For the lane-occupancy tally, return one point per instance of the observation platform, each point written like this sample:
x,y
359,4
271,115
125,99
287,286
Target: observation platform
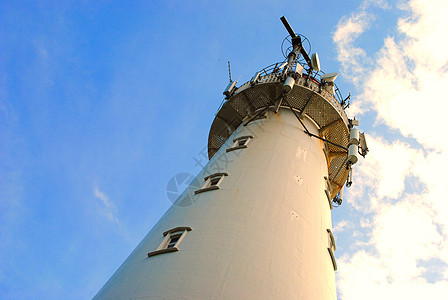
x,y
306,98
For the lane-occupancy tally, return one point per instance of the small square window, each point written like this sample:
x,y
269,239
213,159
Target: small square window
x,y
171,241
331,248
240,143
331,243
211,182
327,191
215,180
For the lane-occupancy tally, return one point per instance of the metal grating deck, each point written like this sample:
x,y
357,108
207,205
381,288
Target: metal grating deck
x,y
323,109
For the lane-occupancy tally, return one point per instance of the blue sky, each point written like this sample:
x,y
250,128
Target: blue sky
x,y
102,103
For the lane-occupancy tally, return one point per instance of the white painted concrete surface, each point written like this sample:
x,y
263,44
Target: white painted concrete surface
x,y
262,235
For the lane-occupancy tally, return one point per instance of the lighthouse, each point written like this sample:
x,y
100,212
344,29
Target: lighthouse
x,y
255,223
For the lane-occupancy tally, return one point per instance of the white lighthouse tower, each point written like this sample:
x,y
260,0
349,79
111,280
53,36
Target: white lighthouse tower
x,y
256,221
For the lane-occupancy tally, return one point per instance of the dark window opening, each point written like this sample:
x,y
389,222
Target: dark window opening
x,y
173,241
215,180
170,243
212,182
240,143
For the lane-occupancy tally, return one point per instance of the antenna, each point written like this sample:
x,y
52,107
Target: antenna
x,y
315,63
288,27
344,102
296,44
363,145
230,74
330,77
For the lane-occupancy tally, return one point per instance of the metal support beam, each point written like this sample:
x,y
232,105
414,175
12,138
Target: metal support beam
x,y
312,134
298,118
324,130
325,140
339,170
277,105
229,128
333,155
310,99
259,115
247,101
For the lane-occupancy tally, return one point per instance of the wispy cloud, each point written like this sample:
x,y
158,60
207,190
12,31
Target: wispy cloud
x,y
352,58
107,208
400,187
341,226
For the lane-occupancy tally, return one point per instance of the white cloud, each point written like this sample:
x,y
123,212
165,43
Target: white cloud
x,y
348,30
107,208
399,188
404,234
342,225
352,58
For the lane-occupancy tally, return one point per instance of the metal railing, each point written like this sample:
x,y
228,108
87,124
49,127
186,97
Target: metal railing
x,y
274,74
275,69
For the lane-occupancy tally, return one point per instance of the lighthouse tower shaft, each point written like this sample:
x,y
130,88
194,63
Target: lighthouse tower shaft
x,y
255,223
264,233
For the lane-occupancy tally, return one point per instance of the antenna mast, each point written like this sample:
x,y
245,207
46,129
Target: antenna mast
x,y
296,44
